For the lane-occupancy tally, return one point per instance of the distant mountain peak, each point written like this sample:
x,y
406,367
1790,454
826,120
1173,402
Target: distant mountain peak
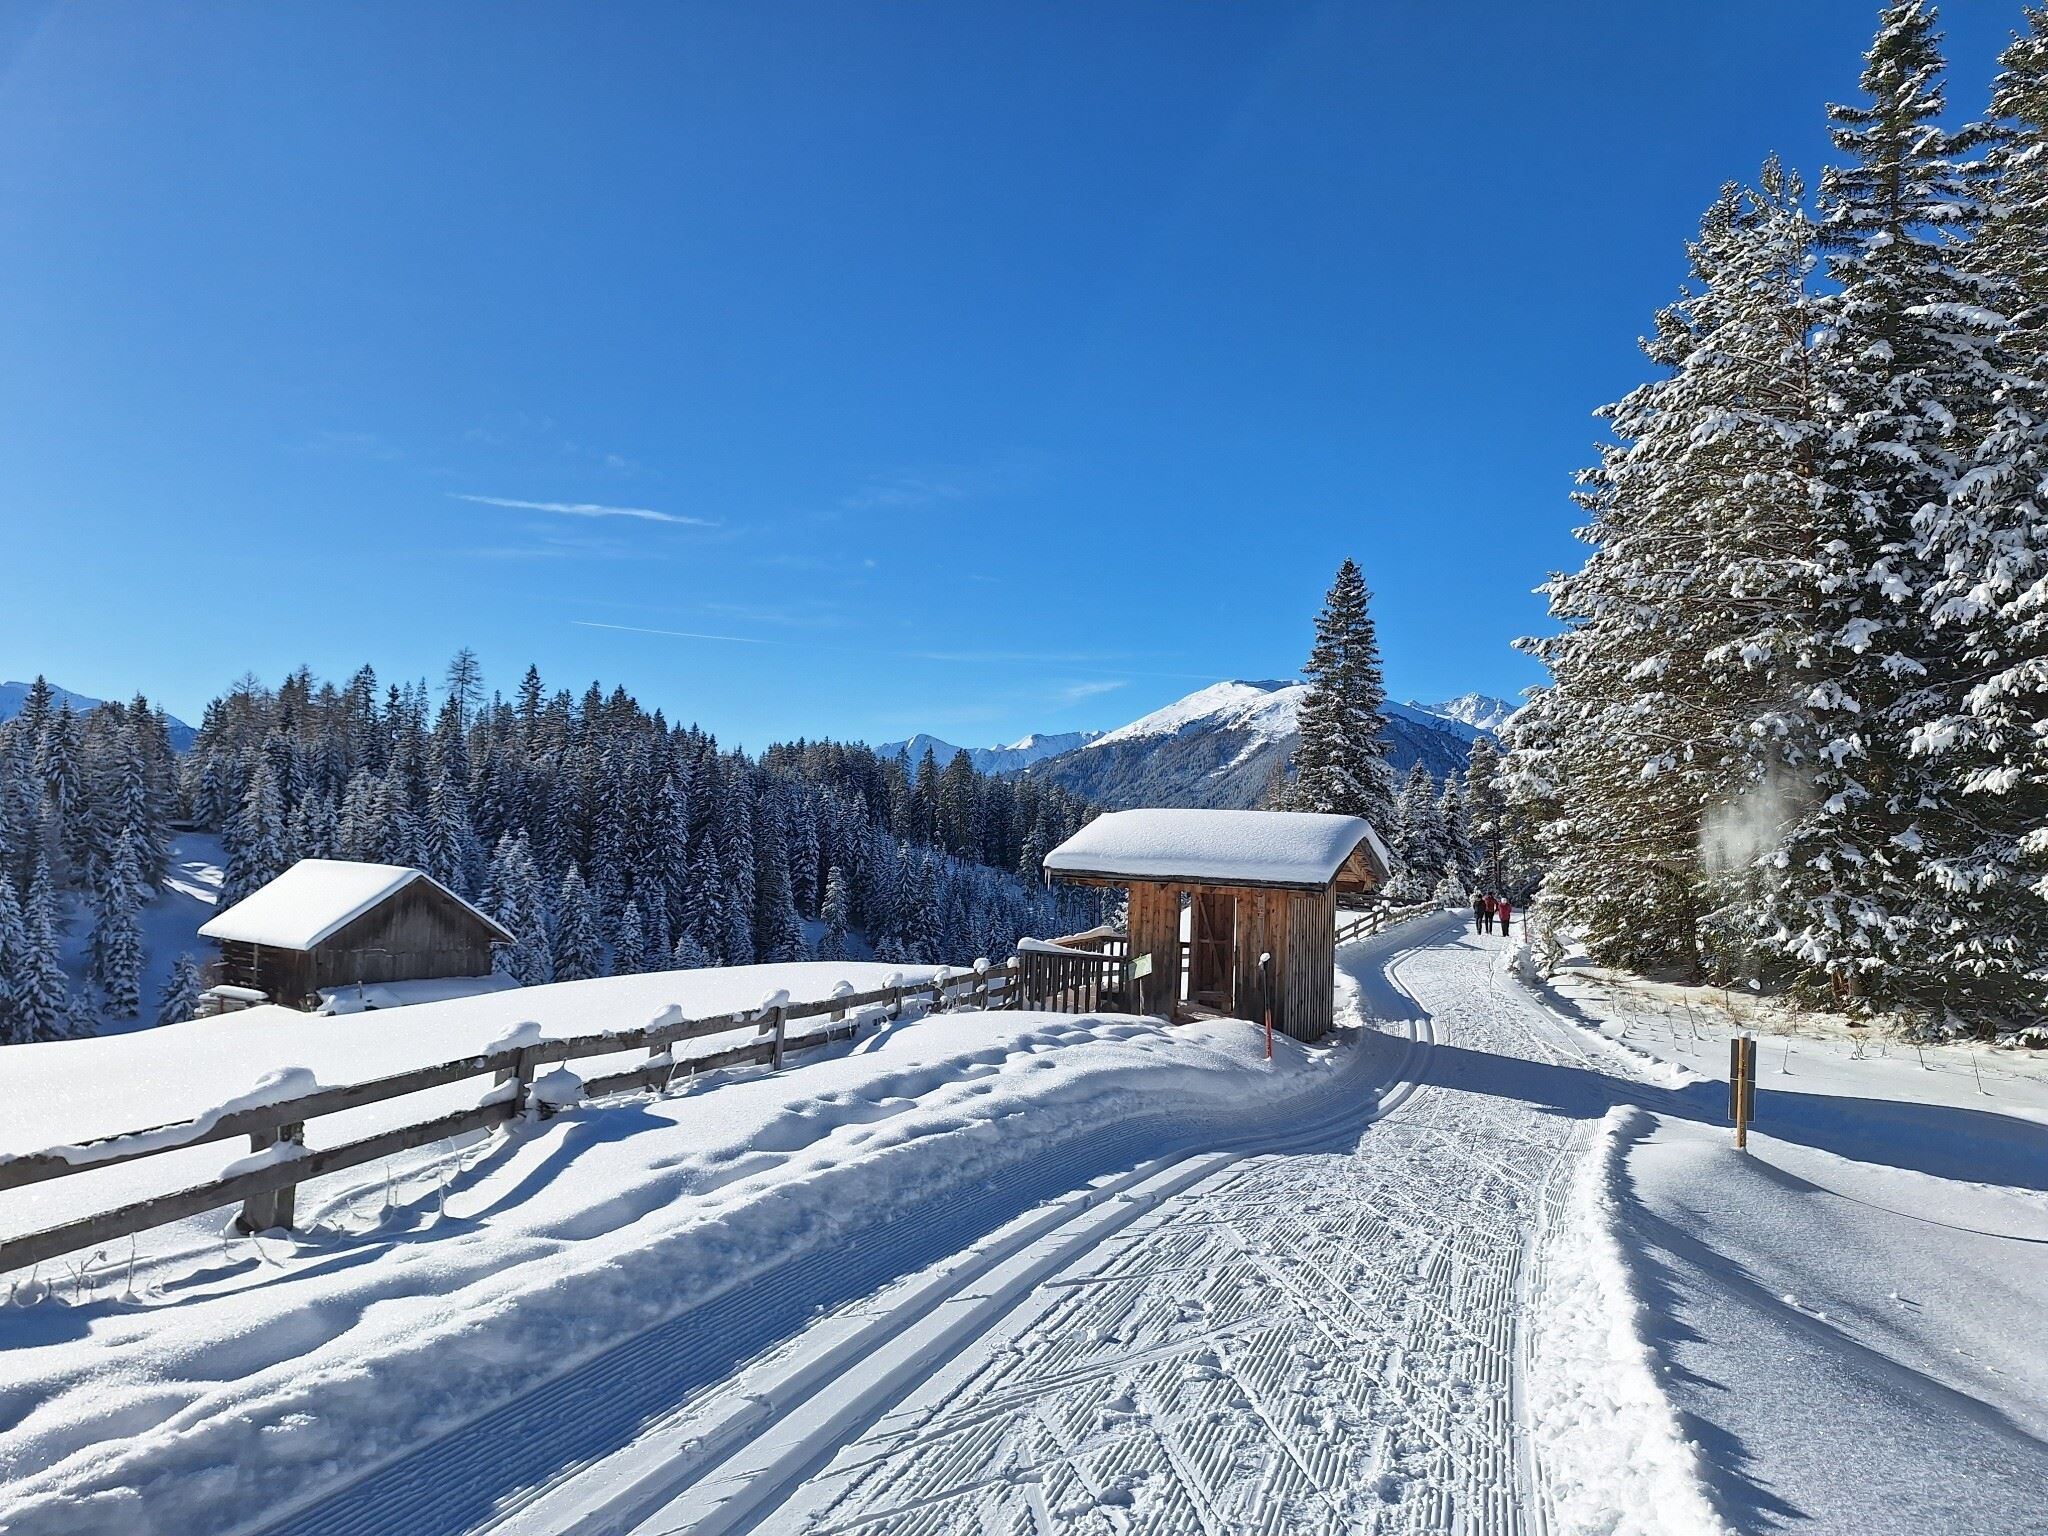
x,y
1006,758
1481,711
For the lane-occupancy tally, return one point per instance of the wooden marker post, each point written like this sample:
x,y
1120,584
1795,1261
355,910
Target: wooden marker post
x,y
1742,1086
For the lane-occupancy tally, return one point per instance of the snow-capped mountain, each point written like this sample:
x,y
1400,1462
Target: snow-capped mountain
x,y
1220,746
1008,758
1481,711
14,695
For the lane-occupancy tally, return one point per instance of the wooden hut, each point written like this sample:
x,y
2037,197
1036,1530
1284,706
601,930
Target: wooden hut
x,y
327,923
1253,884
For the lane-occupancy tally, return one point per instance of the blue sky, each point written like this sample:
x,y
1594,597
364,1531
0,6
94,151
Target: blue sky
x,y
839,369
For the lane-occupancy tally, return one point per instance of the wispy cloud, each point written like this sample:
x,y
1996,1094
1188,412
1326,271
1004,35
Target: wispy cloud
x,y
900,492
586,509
1074,693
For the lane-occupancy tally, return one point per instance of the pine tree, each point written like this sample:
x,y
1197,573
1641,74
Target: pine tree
x,y
1422,847
778,935
688,955
15,1028
1864,896
838,908
43,1005
180,1000
1341,761
1678,676
629,942
1988,546
1450,809
116,945
577,949
256,851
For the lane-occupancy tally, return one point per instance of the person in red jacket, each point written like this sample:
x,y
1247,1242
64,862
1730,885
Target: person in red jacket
x,y
1504,911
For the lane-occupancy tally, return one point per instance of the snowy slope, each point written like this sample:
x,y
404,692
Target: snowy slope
x,y
13,694
1846,1318
1008,758
1219,746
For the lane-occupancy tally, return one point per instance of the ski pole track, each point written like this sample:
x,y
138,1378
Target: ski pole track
x,y
1322,1340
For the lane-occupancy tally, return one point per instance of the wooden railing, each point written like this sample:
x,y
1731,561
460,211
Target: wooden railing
x,y
266,1183
1378,918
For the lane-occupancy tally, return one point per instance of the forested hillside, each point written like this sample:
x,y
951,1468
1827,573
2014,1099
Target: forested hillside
x,y
606,838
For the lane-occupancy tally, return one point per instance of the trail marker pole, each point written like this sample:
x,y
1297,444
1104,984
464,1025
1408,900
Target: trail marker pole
x,y
1742,1086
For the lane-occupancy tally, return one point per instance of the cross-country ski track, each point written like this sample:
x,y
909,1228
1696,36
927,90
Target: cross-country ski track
x,y
1313,1330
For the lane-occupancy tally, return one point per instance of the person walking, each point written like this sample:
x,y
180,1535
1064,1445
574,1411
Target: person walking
x,y
1506,912
1479,912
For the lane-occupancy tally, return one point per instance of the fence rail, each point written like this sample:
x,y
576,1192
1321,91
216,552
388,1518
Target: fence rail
x,y
1379,918
276,1130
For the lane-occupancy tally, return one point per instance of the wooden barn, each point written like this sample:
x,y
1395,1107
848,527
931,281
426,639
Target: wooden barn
x,y
327,923
1252,884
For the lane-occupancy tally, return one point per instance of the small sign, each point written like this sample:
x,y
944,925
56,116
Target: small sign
x,y
1141,967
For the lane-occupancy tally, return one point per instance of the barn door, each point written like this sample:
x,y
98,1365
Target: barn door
x,y
1214,937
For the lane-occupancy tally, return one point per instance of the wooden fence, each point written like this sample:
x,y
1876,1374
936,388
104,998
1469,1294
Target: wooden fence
x,y
276,1131
1377,919
1081,973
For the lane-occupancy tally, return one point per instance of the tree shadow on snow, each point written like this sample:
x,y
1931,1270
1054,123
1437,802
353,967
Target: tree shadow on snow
x,y
1938,1139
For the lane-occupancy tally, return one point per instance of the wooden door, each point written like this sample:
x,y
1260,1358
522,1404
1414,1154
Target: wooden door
x,y
1214,938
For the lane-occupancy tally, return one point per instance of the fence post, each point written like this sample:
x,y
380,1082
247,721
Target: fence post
x,y
277,1207
781,1017
981,985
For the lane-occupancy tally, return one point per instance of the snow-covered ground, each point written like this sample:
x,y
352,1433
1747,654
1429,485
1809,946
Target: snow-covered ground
x,y
1849,1319
1483,1263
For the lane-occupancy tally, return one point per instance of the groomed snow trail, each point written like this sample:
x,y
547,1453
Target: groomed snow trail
x,y
1317,1339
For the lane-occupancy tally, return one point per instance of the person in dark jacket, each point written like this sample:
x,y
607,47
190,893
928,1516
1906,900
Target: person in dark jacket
x,y
1481,912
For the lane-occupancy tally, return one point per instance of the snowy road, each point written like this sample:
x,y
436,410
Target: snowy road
x,y
1318,1338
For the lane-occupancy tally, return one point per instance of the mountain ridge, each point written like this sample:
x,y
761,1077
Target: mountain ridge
x,y
13,695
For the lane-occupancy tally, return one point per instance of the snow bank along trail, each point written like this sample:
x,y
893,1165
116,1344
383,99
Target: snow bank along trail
x,y
1319,1334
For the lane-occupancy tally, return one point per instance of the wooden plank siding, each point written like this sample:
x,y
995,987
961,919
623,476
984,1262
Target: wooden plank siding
x,y
417,933
1154,915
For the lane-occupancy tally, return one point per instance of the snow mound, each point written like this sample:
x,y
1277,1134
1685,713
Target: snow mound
x,y
1608,1442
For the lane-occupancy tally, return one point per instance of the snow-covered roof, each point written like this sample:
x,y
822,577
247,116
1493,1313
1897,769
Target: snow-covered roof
x,y
315,899
1302,849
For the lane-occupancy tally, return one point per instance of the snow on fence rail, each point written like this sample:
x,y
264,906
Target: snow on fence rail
x,y
266,1181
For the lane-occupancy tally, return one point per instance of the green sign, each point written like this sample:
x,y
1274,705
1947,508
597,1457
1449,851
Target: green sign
x,y
1141,967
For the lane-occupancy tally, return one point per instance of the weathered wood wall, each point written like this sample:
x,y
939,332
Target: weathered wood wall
x,y
418,933
1154,916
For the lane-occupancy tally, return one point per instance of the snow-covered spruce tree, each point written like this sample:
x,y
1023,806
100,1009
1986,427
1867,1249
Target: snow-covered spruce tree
x,y
116,943
688,955
1423,847
1872,896
629,942
180,999
1678,676
1451,813
838,909
43,1006
256,841
14,1025
577,948
1340,763
1986,545
778,934
1486,810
